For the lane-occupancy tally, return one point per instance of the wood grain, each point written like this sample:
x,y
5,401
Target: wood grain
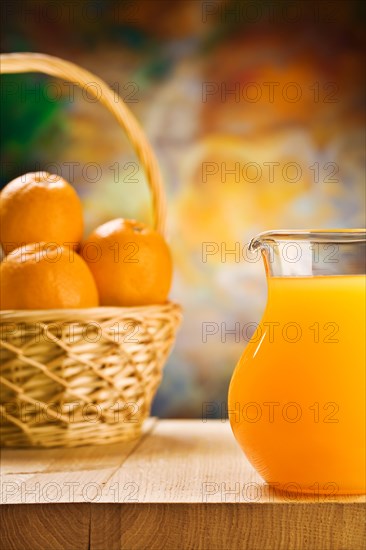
x,y
42,527
189,461
238,527
185,485
183,527
59,476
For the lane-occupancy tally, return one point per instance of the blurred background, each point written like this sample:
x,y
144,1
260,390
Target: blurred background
x,y
256,113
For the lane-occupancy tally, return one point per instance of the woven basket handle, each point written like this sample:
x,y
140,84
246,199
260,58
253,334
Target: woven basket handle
x,y
53,66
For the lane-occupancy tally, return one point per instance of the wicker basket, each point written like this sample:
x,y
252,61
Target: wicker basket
x,y
88,376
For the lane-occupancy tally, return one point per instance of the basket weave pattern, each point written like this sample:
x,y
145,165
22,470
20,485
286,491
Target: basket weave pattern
x,y
76,377
89,378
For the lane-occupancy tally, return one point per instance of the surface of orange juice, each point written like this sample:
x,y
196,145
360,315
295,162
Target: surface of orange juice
x,y
297,396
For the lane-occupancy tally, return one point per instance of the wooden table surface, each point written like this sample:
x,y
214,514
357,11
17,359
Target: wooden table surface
x,y
184,485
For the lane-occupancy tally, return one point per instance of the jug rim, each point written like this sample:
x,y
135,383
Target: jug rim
x,y
311,235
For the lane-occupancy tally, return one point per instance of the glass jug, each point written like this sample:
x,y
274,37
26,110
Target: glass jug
x,y
297,395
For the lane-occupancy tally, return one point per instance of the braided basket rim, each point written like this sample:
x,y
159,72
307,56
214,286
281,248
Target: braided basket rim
x,y
25,314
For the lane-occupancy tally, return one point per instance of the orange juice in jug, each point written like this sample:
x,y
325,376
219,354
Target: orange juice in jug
x,y
297,395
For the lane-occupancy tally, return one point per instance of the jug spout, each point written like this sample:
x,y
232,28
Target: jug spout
x,y
305,253
262,240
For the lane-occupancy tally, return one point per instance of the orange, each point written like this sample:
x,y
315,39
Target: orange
x,y
39,207
131,263
46,276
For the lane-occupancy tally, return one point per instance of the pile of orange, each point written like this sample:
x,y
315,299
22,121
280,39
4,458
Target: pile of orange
x,y
47,265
